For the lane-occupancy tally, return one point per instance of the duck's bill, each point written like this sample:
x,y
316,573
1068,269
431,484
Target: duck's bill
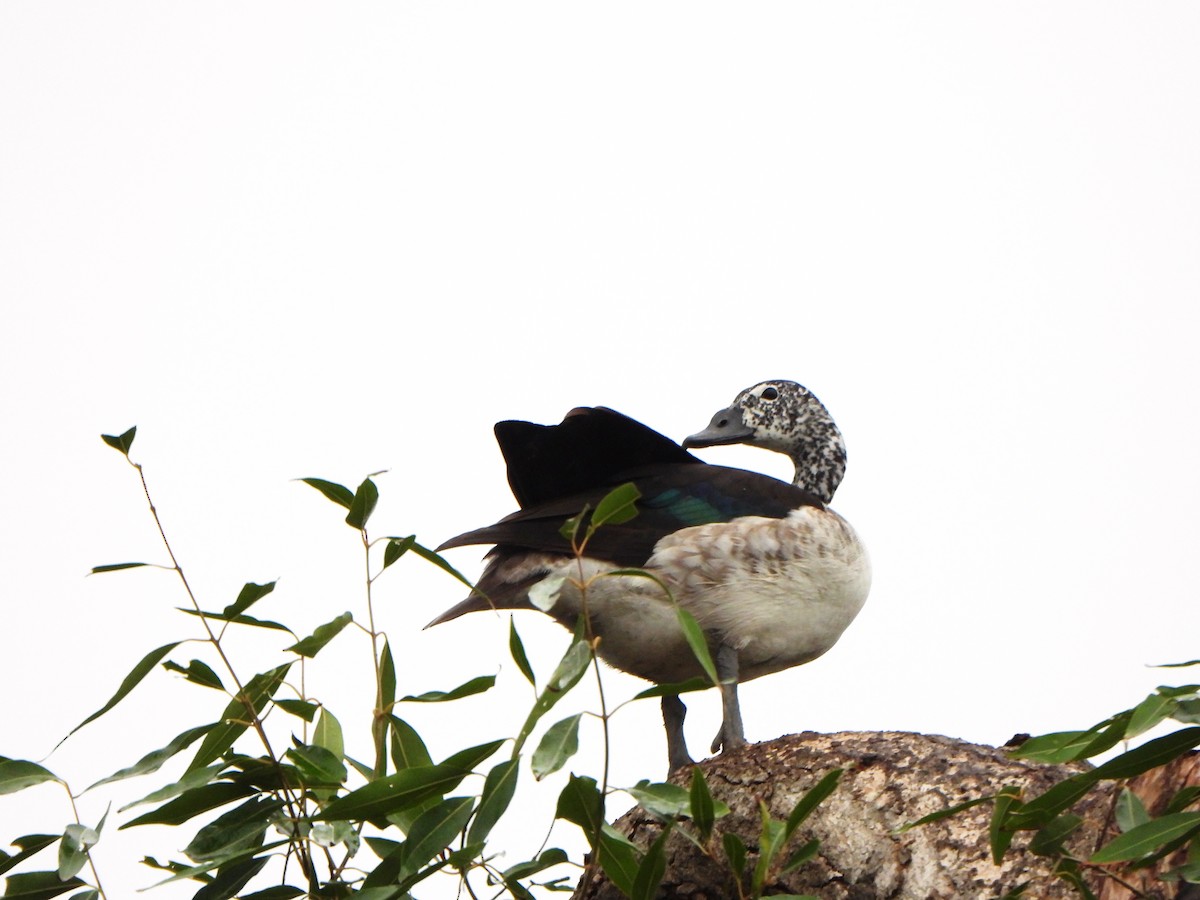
x,y
726,427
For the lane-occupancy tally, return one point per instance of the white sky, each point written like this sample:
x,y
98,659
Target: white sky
x,y
289,239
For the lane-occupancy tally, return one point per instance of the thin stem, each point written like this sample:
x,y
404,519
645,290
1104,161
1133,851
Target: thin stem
x,y
254,719
87,851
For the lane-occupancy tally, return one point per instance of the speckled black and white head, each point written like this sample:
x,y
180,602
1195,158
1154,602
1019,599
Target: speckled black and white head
x,y
785,417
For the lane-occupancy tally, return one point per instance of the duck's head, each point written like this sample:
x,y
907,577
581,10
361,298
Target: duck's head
x,y
785,417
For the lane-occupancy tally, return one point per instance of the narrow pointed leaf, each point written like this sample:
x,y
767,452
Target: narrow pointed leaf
x,y
387,678
38,886
237,716
301,709
735,852
435,829
1154,709
517,649
1149,755
240,829
1000,830
394,793
231,879
581,803
619,859
811,800
73,850
317,766
193,778
1145,839
18,774
196,672
117,567
662,799
651,869
699,644
239,619
558,744
396,548
250,594
701,801
469,758
804,853
363,504
617,506
436,558
570,669
193,802
498,790
328,734
466,689
29,845
339,494
1130,811
1048,840
408,750
311,645
121,442
153,761
148,662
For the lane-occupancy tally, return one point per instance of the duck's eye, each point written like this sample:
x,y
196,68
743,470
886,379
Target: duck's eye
x,y
770,394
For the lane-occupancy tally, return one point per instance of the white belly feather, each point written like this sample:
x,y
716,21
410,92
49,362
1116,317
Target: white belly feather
x,y
779,591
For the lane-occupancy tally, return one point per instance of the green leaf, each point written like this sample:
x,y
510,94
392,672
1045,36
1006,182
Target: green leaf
x,y
1154,709
1000,833
1149,755
698,643
472,756
193,778
408,750
946,813
701,802
193,802
328,734
363,504
311,645
301,709
662,799
196,672
546,859
435,829
317,766
770,842
699,683
278,892
240,619
238,830
436,558
558,744
474,686
237,715
394,793
1183,799
651,869
804,853
250,594
29,845
1145,839
38,886
153,761
116,567
387,678
581,803
570,669
1130,812
18,774
89,894
735,852
1048,840
619,858
517,649
498,790
339,494
121,442
617,506
148,662
231,879
396,548
811,800
73,849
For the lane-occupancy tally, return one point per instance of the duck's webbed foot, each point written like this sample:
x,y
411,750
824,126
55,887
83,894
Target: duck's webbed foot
x,y
732,733
673,712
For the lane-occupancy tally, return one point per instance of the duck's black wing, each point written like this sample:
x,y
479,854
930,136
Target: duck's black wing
x,y
589,447
673,497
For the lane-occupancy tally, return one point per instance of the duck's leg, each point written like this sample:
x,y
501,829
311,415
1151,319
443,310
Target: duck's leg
x,y
673,712
732,734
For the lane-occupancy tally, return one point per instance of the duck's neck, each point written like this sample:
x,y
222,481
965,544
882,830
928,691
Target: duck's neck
x,y
820,460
